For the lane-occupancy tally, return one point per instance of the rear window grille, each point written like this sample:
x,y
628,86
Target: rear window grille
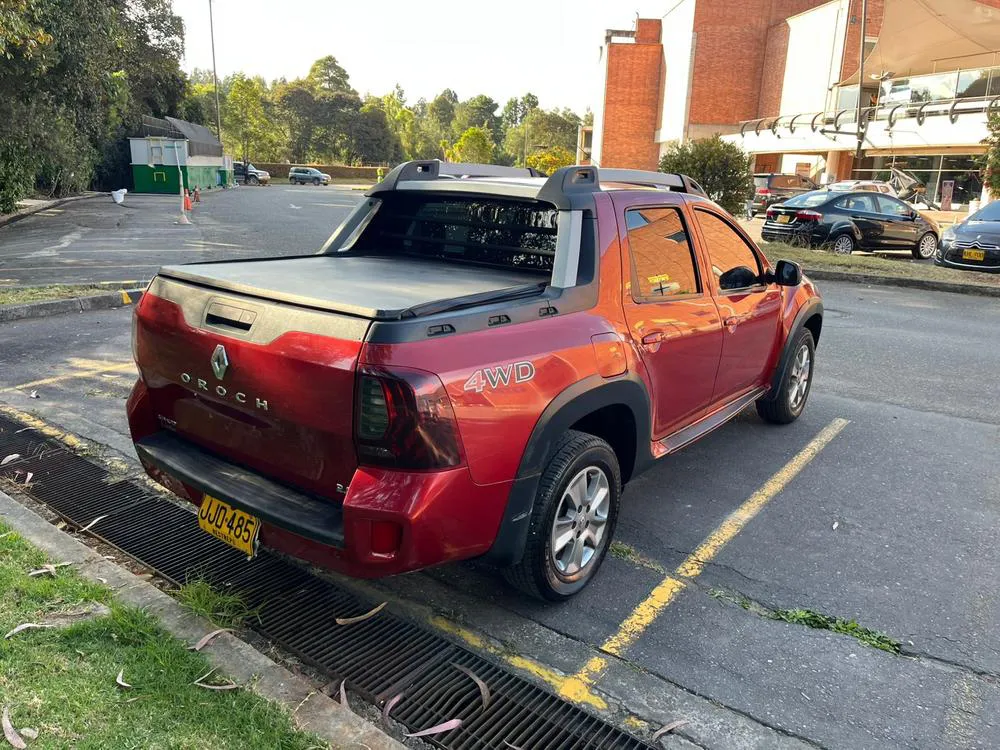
x,y
505,233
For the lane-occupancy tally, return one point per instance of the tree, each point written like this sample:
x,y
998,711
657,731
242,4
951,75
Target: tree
x,y
442,109
515,110
991,159
479,111
474,146
551,159
547,129
721,167
244,124
327,75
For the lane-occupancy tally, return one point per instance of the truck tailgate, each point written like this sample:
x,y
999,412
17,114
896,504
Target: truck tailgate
x,y
261,383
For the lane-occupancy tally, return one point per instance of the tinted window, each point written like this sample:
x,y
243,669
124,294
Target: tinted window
x,y
785,181
893,208
858,203
806,200
662,263
494,232
726,248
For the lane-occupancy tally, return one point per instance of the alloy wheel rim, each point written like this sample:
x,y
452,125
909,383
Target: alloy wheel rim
x,y
799,378
927,246
843,245
581,521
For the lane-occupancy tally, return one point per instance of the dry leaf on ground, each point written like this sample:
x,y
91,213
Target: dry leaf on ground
x,y
360,618
12,737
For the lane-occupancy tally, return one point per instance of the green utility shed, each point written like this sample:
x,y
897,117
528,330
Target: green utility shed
x,y
171,150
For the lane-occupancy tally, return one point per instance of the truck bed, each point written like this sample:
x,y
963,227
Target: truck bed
x,y
379,288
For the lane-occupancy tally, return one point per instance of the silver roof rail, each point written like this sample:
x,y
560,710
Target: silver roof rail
x,y
433,169
560,189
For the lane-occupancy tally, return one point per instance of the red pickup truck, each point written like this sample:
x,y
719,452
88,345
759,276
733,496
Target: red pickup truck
x,y
474,365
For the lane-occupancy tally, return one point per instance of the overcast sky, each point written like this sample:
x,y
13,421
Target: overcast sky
x,y
503,49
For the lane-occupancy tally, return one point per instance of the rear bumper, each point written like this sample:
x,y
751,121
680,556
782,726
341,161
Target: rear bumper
x,y
437,517
772,231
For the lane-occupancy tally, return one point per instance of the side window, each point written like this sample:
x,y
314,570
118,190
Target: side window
x,y
858,202
662,262
728,251
893,207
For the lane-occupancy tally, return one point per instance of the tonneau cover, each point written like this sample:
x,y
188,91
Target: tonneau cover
x,y
367,286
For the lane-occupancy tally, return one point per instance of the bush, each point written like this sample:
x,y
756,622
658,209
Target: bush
x,y
717,165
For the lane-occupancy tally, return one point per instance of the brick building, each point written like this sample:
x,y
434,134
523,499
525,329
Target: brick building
x,y
780,77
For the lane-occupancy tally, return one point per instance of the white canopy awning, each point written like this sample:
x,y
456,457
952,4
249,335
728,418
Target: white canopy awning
x,y
928,36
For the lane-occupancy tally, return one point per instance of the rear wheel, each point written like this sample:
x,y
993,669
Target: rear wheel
x,y
572,521
844,244
786,402
926,247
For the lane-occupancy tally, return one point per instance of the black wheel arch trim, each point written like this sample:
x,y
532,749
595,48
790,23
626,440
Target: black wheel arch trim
x,y
569,407
809,309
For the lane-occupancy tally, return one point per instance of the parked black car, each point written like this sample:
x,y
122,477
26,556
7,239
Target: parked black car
x,y
851,221
769,189
974,244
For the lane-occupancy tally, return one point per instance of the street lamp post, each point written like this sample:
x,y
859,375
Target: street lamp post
x,y
215,77
861,79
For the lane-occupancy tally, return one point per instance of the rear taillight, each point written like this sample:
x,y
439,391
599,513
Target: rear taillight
x,y
763,191
808,215
404,420
771,213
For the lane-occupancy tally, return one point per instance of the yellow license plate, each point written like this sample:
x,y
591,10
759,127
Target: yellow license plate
x,y
784,218
232,526
973,255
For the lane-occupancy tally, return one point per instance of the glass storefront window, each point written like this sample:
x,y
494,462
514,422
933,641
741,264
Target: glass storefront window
x,y
963,170
981,82
847,97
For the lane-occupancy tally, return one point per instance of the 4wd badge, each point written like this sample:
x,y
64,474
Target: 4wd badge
x,y
500,376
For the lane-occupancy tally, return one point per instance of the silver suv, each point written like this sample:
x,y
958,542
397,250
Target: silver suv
x,y
302,175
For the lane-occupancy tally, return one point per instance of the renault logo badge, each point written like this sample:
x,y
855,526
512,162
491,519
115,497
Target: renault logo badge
x,y
220,362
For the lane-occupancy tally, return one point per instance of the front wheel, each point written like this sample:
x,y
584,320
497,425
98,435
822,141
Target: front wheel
x,y
253,180
844,244
315,180
926,247
784,404
572,521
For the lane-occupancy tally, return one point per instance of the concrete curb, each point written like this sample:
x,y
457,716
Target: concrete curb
x,y
47,308
936,286
11,218
311,711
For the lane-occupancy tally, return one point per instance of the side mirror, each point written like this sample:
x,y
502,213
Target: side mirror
x,y
786,273
740,277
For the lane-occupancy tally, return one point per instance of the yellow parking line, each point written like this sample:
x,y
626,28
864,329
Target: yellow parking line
x,y
86,373
577,687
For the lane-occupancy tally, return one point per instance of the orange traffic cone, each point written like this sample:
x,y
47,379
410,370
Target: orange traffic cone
x,y
187,200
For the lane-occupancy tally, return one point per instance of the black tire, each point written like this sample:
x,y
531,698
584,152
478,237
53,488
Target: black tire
x,y
779,406
926,247
847,240
251,180
537,573
316,181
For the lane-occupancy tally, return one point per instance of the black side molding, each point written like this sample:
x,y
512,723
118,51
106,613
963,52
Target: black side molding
x,y
302,514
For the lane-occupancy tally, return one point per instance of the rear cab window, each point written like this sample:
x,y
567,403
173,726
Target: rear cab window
x,y
497,232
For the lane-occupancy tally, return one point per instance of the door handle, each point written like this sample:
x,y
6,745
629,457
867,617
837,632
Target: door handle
x,y
733,321
651,341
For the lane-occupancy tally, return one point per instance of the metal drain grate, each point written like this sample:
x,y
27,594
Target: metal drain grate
x,y
379,657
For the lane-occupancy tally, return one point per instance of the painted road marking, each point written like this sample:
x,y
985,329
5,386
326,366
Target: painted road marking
x,y
577,687
93,368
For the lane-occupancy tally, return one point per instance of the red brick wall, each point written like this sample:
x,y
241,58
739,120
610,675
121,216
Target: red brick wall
x,y
852,42
730,41
773,75
632,100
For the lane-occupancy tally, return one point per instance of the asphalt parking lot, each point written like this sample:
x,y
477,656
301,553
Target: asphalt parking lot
x,y
879,506
95,240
